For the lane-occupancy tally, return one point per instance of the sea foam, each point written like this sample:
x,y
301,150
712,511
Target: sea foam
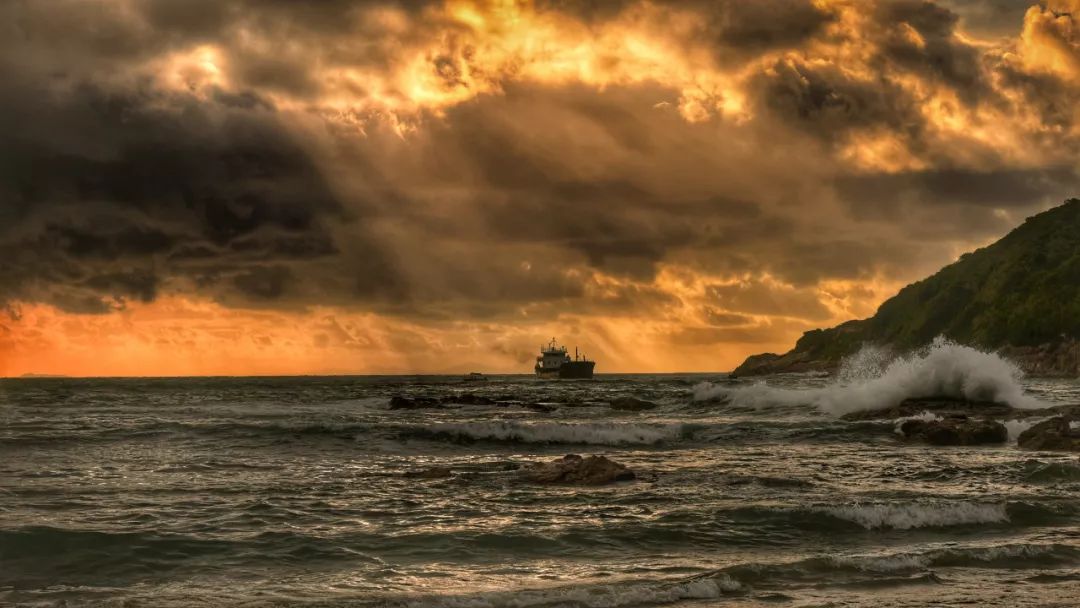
x,y
906,516
870,380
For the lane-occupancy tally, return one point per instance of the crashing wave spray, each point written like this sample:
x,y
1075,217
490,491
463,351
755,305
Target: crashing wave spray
x,y
870,380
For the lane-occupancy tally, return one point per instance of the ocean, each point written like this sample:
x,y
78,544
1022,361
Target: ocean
x,y
749,492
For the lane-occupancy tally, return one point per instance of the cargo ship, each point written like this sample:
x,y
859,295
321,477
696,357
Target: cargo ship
x,y
555,362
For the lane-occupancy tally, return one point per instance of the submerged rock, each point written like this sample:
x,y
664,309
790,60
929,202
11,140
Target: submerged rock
x,y
945,406
955,430
430,473
398,402
469,399
1053,434
631,404
573,469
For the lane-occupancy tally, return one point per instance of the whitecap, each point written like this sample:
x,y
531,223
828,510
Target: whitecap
x,y
865,382
906,516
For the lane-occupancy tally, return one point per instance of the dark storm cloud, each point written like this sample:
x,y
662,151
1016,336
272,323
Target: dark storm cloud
x,y
990,17
754,27
828,101
936,54
1003,188
912,38
112,190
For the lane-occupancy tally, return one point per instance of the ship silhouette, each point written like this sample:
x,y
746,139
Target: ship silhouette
x,y
555,362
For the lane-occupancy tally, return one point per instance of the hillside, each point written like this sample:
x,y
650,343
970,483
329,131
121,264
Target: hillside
x,y
1020,295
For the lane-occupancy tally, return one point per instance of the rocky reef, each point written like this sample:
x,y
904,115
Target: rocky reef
x,y
956,429
575,470
1053,434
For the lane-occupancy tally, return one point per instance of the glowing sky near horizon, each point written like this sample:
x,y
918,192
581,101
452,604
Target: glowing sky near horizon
x,y
240,187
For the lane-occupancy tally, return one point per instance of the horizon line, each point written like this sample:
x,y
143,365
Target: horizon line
x,y
36,376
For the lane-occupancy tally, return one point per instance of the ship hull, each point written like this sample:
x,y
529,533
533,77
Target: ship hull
x,y
571,370
576,370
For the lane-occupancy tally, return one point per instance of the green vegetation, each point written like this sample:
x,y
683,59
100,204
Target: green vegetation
x,y
1024,290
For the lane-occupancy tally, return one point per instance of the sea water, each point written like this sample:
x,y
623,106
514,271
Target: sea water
x,y
294,492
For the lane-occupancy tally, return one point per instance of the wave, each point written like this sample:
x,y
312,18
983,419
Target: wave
x,y
741,579
637,593
591,433
1051,472
920,515
1002,556
866,382
898,516
216,428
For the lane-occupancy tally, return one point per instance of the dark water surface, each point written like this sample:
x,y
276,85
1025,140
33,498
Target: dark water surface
x,y
290,491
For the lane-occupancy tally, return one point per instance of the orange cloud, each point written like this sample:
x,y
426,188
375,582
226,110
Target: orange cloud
x,y
178,336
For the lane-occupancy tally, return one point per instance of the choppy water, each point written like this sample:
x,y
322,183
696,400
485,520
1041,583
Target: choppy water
x,y
290,491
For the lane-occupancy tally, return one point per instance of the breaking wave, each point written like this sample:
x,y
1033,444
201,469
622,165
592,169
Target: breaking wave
x,y
596,433
870,380
920,515
999,555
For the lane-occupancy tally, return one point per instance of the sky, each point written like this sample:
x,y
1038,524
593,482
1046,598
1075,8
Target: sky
x,y
204,187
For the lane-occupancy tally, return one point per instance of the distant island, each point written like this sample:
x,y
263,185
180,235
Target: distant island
x,y
44,376
1019,296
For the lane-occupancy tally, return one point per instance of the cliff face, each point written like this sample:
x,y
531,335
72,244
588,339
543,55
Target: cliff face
x,y
1020,296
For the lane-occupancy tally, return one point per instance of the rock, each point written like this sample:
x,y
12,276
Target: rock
x,y
1055,359
1053,434
430,473
468,399
631,404
573,469
397,402
944,406
955,430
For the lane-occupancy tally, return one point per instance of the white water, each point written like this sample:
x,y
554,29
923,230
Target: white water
x,y
870,380
919,515
924,416
899,562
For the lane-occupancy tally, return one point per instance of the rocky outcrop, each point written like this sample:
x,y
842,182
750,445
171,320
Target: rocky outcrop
x,y
575,470
1061,359
398,402
957,429
943,406
1053,434
631,404
788,363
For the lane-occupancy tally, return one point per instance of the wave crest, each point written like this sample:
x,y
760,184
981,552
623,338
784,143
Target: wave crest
x,y
864,382
920,515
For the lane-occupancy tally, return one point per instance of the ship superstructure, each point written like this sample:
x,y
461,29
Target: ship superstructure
x,y
555,362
